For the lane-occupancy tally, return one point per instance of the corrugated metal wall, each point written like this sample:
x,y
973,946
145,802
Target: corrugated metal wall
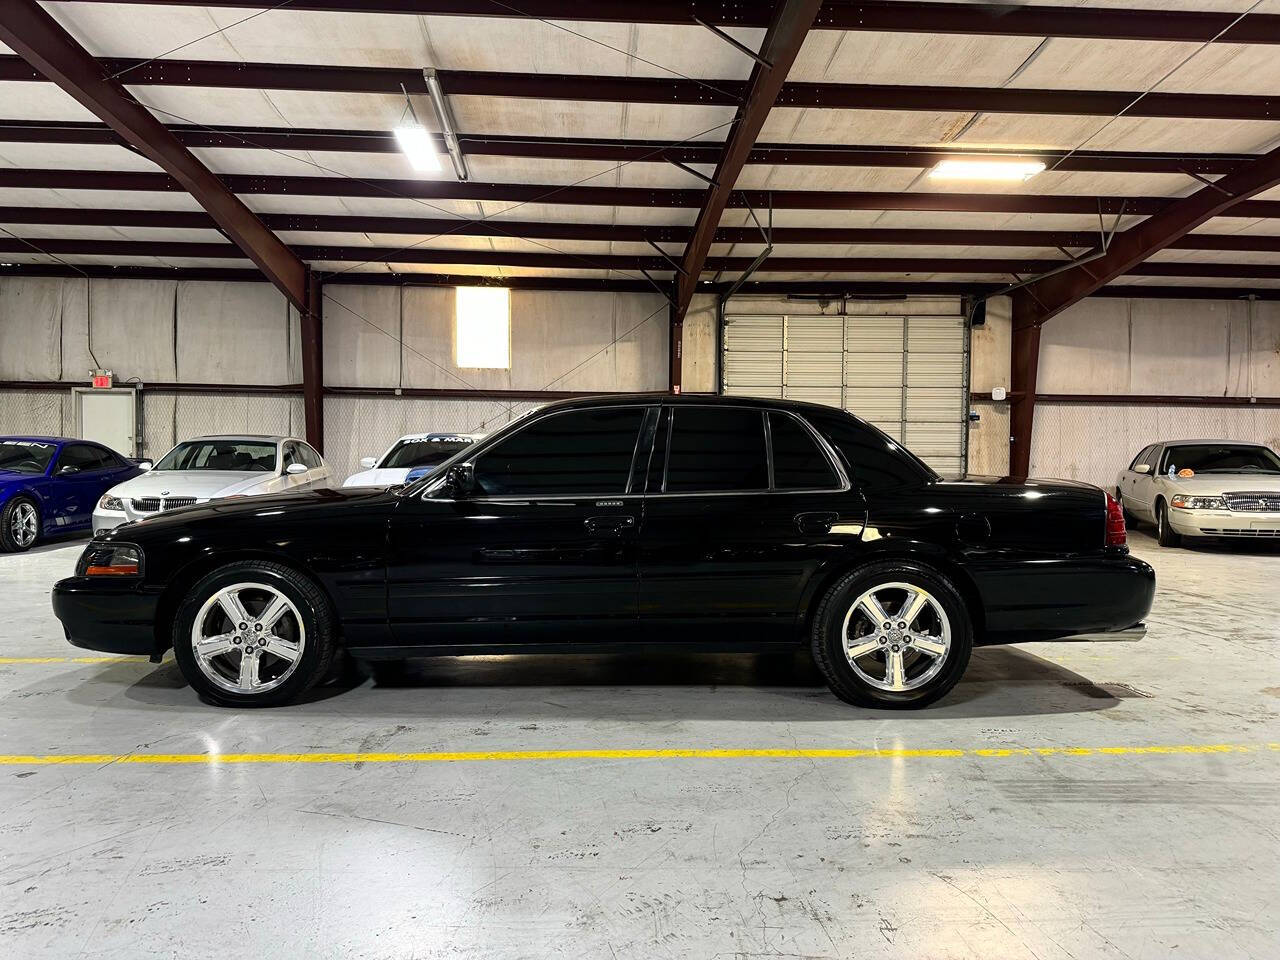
x,y
902,369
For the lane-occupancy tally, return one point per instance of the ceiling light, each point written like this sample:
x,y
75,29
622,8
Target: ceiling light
x,y
418,146
986,168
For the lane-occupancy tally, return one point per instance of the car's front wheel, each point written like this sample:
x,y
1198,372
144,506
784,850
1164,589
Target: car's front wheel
x,y
1165,534
19,525
254,634
892,635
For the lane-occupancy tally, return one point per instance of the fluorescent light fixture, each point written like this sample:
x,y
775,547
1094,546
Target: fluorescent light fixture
x,y
482,328
986,168
418,146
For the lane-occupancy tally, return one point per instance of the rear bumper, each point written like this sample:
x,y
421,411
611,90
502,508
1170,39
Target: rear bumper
x,y
112,616
1062,598
1224,523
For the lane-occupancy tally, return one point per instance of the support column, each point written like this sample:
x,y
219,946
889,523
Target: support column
x,y
677,348
1024,366
313,361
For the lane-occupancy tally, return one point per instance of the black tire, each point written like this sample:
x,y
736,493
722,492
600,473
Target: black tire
x,y
9,542
828,626
1165,534
315,664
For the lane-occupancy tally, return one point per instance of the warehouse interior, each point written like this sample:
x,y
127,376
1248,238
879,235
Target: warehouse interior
x,y
208,201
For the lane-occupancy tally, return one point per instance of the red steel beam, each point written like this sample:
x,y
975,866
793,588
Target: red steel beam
x,y
325,78
26,28
116,181
639,233
656,151
519,258
897,16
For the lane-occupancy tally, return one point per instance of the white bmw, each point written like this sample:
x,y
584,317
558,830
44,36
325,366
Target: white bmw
x,y
206,468
412,456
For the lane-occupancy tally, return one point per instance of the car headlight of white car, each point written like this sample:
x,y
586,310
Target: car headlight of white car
x,y
1183,502
108,502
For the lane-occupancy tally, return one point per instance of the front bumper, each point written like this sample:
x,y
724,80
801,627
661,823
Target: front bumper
x,y
107,520
1224,523
108,614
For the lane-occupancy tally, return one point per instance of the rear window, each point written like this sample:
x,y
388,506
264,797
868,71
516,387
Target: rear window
x,y
874,460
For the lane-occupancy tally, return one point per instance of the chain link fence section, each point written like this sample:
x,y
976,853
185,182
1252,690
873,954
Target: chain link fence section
x,y
1094,442
356,427
38,413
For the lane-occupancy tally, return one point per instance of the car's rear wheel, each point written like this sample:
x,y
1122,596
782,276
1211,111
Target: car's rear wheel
x,y
892,635
1165,534
254,634
19,525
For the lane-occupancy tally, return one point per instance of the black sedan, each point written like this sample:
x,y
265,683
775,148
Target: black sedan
x,y
609,523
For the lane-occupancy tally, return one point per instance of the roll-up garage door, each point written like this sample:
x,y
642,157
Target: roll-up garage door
x,y
908,375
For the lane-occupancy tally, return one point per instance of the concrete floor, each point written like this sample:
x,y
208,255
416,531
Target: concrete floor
x,y
919,854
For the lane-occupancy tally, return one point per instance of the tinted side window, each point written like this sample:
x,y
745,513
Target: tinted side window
x,y
82,457
716,448
874,461
578,452
309,455
798,463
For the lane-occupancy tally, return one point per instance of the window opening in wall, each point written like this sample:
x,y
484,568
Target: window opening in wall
x,y
482,334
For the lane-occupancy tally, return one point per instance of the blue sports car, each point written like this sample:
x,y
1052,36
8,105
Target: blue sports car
x,y
51,485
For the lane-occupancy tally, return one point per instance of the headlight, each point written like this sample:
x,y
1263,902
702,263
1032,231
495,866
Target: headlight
x,y
1198,503
110,560
108,502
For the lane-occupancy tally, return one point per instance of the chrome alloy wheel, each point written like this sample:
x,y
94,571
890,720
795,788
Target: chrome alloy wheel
x,y
23,524
248,638
900,650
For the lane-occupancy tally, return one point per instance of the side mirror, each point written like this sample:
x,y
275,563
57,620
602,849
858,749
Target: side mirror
x,y
145,465
460,480
294,469
1142,468
69,468
368,462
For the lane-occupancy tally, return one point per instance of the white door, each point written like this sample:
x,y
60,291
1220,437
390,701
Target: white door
x,y
108,417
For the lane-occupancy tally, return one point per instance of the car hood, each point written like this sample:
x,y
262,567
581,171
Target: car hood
x,y
10,479
377,477
202,484
1212,484
306,506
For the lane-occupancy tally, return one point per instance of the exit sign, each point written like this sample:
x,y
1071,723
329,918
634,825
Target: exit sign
x,y
102,379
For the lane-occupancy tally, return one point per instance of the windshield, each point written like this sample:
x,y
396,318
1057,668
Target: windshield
x,y
251,456
25,456
1221,458
424,452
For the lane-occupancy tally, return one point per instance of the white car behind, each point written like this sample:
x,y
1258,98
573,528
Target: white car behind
x,y
208,468
413,455
1204,488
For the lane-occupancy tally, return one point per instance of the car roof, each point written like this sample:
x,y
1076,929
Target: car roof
x,y
259,438
1232,443
699,399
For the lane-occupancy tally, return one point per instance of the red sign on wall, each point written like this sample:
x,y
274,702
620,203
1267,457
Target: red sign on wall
x,y
102,380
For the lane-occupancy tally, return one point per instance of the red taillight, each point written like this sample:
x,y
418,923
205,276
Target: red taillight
x,y
1115,523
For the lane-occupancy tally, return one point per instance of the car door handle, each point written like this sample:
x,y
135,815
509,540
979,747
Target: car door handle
x,y
601,526
816,522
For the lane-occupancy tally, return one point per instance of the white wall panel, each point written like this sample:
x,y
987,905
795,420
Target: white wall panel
x,y
30,326
236,333
41,413
132,326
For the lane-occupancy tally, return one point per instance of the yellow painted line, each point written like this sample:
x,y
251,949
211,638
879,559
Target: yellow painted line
x,y
8,660
817,753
